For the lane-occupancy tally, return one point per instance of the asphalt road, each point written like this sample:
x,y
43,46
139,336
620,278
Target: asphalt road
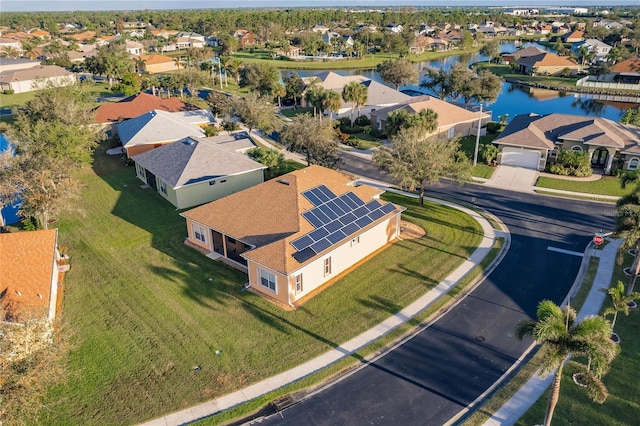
x,y
433,376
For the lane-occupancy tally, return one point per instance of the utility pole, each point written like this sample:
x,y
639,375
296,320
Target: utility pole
x,y
475,152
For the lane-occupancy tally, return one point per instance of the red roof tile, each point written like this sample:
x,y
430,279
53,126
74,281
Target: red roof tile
x,y
137,105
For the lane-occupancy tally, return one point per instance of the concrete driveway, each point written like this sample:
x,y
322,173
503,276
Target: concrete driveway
x,y
513,178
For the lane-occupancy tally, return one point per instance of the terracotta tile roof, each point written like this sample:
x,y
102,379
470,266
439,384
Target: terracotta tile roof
x,y
631,65
547,60
139,104
268,215
448,114
26,265
154,59
535,131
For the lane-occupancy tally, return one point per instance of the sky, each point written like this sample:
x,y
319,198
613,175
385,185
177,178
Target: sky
x,y
65,5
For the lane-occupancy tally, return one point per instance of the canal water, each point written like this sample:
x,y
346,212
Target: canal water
x,y
513,99
9,213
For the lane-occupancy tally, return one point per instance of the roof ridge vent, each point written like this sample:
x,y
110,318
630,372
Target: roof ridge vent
x,y
284,182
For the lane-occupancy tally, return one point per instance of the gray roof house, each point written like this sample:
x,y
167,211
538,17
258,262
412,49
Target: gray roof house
x,y
378,94
35,77
156,128
194,171
531,140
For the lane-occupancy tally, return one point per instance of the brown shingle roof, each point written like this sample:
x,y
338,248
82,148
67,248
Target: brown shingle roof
x,y
631,65
137,105
268,215
154,59
547,60
534,131
26,271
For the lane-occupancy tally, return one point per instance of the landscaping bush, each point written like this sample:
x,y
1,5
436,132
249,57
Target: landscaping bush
x,y
210,130
354,142
362,121
8,91
342,122
489,152
572,163
493,127
375,133
230,126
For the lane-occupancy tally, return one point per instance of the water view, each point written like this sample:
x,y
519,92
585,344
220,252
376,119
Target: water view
x,y
514,99
9,213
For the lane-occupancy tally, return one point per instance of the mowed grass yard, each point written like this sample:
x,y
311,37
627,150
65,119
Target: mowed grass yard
x,y
622,407
141,309
607,185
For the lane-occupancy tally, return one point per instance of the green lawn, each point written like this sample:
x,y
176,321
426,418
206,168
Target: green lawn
x,y
290,112
506,71
608,185
19,99
141,309
468,145
622,407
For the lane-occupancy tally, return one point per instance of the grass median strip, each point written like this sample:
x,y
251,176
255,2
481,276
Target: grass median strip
x,y
141,309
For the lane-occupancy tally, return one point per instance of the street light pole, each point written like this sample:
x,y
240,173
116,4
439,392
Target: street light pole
x,y
475,152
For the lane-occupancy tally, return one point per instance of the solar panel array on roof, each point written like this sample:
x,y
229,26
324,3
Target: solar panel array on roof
x,y
334,219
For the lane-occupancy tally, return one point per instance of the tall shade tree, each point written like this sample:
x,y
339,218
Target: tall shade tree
x,y
260,77
111,61
415,161
313,139
219,103
491,49
272,158
295,86
438,82
628,226
279,91
562,338
257,113
399,72
619,300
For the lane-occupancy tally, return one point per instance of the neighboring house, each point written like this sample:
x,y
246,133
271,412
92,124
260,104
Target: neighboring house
x,y
41,34
626,72
133,47
34,78
509,58
546,64
191,35
32,273
83,37
156,128
245,38
452,119
10,43
194,171
9,64
378,95
164,33
154,63
599,49
330,37
573,37
296,233
138,104
187,42
531,141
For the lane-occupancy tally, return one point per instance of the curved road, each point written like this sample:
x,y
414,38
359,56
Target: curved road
x,y
433,376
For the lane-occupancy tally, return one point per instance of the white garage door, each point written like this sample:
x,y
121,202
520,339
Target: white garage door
x,y
520,158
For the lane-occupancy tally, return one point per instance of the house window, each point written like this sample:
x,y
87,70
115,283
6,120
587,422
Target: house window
x,y
327,266
577,148
298,283
633,163
355,241
163,187
451,132
140,171
212,182
267,279
199,234
223,181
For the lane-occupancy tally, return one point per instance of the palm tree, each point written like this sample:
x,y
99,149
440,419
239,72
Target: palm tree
x,y
331,101
349,93
562,338
279,91
628,225
9,52
619,301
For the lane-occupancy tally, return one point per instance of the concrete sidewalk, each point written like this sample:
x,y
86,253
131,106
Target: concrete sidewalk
x,y
350,347
533,389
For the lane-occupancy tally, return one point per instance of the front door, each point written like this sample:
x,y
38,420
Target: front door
x,y
599,157
217,242
151,179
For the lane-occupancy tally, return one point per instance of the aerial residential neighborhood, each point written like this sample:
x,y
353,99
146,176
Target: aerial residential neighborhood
x,y
277,214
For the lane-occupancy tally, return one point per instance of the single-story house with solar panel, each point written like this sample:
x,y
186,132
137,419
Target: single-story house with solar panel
x,y
294,234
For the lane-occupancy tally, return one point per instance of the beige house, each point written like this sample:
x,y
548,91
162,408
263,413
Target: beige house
x,y
195,171
532,140
453,120
294,234
154,64
546,64
35,78
378,94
